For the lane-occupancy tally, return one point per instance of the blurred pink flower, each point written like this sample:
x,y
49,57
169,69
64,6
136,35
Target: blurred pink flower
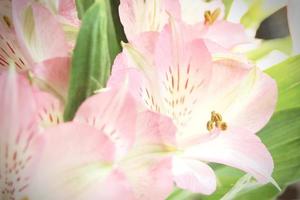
x,y
139,16
33,39
217,104
24,113
100,155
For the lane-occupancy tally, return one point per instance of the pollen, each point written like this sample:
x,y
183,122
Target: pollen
x,y
211,17
216,121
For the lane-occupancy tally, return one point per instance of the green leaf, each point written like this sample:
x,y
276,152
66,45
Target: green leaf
x,y
93,56
116,18
287,76
281,44
227,4
82,6
258,11
282,137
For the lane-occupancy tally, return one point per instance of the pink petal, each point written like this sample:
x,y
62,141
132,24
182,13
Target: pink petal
x,y
152,180
20,145
244,96
148,163
238,148
10,50
140,16
76,158
155,129
220,31
193,175
50,110
114,113
54,75
39,32
6,21
67,10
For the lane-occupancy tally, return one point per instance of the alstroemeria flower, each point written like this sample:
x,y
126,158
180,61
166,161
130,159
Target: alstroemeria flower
x,y
217,105
32,38
24,114
97,157
139,16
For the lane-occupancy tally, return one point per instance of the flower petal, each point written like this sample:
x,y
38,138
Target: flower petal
x,y
53,76
113,112
193,175
50,111
20,145
153,181
76,158
143,16
220,31
10,50
238,148
246,97
38,31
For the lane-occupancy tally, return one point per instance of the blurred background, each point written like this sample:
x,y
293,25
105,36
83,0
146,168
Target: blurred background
x,y
276,26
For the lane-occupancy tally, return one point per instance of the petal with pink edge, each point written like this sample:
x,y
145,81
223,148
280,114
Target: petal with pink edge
x,y
193,175
236,147
220,31
38,31
75,160
20,145
143,16
245,97
113,112
53,76
50,110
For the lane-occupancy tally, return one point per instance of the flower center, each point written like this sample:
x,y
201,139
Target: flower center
x,y
211,17
216,121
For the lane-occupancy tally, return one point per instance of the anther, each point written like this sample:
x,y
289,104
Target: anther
x,y
210,125
223,126
216,121
211,17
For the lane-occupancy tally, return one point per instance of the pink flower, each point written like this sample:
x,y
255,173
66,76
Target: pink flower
x,y
101,154
217,104
24,113
33,39
139,16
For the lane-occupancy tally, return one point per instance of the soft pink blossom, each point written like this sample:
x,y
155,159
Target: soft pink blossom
x,y
33,39
24,113
175,74
103,153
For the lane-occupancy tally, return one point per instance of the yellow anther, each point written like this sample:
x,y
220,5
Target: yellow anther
x,y
215,116
216,121
211,17
223,126
210,125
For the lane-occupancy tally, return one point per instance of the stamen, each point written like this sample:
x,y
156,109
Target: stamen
x,y
216,121
210,125
211,17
